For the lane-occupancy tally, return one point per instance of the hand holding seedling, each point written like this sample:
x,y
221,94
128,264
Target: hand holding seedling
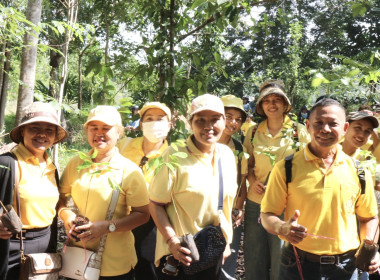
x,y
292,231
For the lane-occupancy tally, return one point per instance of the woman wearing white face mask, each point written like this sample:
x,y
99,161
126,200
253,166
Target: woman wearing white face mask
x,y
155,125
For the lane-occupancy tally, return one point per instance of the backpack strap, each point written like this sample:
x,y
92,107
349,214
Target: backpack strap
x,y
238,147
361,175
288,169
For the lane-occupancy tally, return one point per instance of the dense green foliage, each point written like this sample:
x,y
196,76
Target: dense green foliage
x,y
130,52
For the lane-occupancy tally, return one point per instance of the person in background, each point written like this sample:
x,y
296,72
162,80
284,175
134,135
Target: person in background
x,y
271,141
362,127
133,125
155,125
327,210
91,192
235,116
37,179
185,200
303,115
246,105
246,125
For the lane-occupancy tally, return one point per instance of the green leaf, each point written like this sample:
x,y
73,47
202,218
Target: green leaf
x,y
197,3
180,154
197,60
170,166
84,165
94,154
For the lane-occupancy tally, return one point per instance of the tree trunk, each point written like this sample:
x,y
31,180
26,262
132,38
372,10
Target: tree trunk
x,y
4,85
55,60
72,14
106,60
80,81
28,59
171,38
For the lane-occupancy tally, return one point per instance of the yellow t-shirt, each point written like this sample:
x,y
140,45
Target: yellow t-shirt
x,y
194,186
246,125
92,195
280,146
132,149
37,188
328,200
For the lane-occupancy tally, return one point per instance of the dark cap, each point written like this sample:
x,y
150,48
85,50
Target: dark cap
x,y
365,114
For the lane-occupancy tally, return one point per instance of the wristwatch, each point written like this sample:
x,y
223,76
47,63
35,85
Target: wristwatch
x,y
112,226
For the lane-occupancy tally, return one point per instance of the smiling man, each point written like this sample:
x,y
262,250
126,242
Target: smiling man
x,y
323,198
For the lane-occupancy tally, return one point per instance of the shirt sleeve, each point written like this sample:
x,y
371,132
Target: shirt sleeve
x,y
135,188
275,197
160,188
66,180
247,141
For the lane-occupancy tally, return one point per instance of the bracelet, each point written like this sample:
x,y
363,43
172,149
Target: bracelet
x,y
170,238
62,209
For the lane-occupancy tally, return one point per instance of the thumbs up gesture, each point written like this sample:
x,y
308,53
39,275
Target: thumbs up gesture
x,y
292,231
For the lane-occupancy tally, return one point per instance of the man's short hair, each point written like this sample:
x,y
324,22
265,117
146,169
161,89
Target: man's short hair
x,y
325,102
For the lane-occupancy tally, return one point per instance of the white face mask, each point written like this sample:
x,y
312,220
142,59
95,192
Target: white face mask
x,y
155,131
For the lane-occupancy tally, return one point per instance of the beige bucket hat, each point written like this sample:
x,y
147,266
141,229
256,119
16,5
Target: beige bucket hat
x,y
272,87
38,112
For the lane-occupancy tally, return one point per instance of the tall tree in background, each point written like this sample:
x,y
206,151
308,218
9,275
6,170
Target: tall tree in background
x,y
28,58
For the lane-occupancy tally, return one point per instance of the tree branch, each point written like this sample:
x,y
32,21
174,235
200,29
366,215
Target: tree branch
x,y
212,19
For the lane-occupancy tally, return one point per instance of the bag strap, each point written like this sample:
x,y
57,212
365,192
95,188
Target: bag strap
x,y
17,194
220,202
110,212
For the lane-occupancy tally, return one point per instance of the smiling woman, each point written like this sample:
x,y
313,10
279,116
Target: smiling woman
x,y
271,139
185,200
91,192
37,186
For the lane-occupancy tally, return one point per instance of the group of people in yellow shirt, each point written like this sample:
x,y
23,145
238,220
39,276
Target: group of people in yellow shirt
x,y
322,200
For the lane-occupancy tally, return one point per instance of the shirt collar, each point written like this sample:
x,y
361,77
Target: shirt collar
x,y
193,150
263,126
27,156
309,156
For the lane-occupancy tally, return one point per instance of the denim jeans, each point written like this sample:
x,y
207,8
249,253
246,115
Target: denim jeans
x,y
262,250
229,267
345,270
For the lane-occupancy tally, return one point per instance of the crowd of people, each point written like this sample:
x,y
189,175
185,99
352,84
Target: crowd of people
x,y
305,189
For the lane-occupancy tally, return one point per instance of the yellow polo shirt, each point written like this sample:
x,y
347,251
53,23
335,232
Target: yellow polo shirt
x,y
132,149
194,187
279,145
328,200
37,188
92,195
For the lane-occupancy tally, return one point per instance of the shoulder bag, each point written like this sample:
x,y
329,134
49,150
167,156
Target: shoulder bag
x,y
79,263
